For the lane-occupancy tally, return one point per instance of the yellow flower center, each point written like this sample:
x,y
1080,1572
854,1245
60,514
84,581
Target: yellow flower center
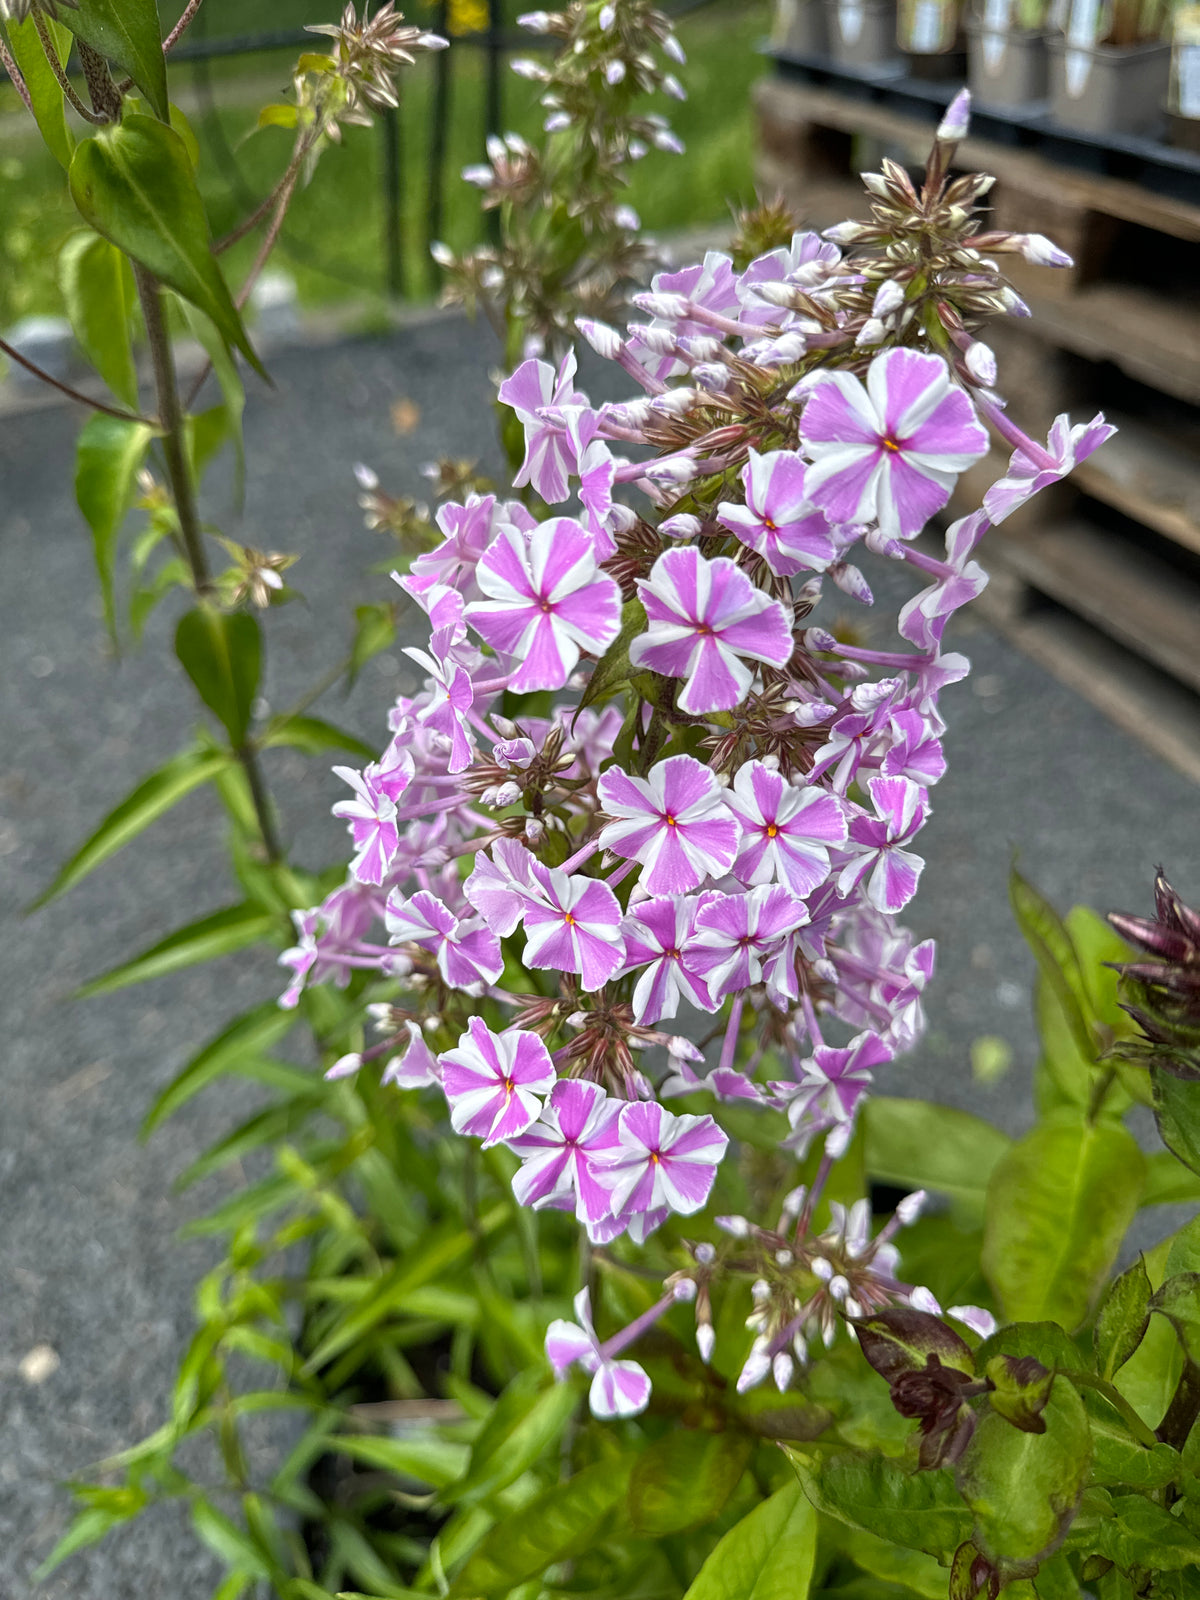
x,y
772,830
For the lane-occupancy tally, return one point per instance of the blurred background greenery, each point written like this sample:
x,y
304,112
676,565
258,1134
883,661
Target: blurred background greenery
x,y
333,245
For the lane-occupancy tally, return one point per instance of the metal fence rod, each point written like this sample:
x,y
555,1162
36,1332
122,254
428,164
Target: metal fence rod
x,y
440,114
494,97
393,188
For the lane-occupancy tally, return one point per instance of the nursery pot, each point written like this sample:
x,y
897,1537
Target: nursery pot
x,y
1008,68
862,33
1105,89
927,32
802,28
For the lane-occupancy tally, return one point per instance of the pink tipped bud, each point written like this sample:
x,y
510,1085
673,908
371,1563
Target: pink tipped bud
x,y
608,15
957,121
614,73
605,341
685,1290
681,526
1041,251
344,1067
981,363
671,307
889,297
705,1254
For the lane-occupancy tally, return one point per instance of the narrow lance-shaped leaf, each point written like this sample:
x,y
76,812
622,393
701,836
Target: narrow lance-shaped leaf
x,y
107,460
220,934
45,91
1046,934
152,798
134,183
768,1555
1123,1317
129,35
314,736
246,1038
221,652
521,1425
98,292
1059,1204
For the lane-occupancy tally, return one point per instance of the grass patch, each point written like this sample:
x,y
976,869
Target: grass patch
x,y
333,244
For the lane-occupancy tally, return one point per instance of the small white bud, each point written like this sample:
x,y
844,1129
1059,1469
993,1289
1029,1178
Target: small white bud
x,y
837,1140
534,829
496,147
781,1370
981,363
852,1307
760,1290
531,70
822,1269
535,21
366,478
626,217
706,1341
685,1290
1013,304
673,48
911,1207
344,1067
664,139
737,1227
681,526
614,73
671,307
608,15
636,149
605,341
506,794
503,726
871,332
922,1299
705,1254
843,233
556,122
889,297
839,1287
480,175
1042,252
672,86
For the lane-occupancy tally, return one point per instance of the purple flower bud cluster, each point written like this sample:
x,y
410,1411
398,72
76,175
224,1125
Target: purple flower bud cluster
x,y
727,822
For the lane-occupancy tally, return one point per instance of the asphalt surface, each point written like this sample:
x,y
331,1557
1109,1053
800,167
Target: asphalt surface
x,y
89,1264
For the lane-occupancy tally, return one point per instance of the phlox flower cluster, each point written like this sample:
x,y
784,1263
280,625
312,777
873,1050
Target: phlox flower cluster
x,y
682,881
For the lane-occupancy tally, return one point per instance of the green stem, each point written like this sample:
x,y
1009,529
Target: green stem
x,y
1100,1092
73,394
264,811
1140,1430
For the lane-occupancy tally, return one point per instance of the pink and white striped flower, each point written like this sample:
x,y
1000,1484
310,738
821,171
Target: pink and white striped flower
x,y
706,619
546,600
673,822
558,1152
549,455
619,1388
660,937
958,580
503,885
1067,446
739,931
468,953
494,1083
778,520
890,871
575,926
786,829
661,1160
371,816
889,451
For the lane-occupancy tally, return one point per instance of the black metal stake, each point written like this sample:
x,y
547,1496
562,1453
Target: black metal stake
x,y
437,138
390,129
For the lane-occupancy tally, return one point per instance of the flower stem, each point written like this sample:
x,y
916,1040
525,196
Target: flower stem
x,y
14,72
72,394
183,493
97,118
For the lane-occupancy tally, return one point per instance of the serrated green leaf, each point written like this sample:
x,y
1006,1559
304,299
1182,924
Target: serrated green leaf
x,y
1123,1318
243,1041
522,1424
99,294
314,735
128,34
1059,1204
917,1510
107,458
220,934
685,1479
152,798
768,1555
917,1144
556,1525
45,91
221,652
1023,1487
1142,1534
134,184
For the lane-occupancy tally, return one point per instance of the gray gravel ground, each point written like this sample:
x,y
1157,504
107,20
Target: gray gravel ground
x,y
88,1260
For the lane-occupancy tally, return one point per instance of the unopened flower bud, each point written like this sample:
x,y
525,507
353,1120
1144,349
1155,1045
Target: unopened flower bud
x,y
685,1290
705,1254
871,332
605,341
534,829
673,472
758,1364
1013,304
839,1287
665,139
981,363
844,233
535,21
506,794
760,1290
820,639
683,525
614,73
626,217
672,86
673,48
706,1341
608,15
344,1067
781,1370
737,1227
852,1307
1041,251
889,297
957,121
923,1299
671,307
784,1258
367,479
793,1201
821,1268
556,122
531,70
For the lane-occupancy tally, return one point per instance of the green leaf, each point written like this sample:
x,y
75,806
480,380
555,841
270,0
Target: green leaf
x,y
217,935
314,735
134,183
1058,1206
1021,1387
221,652
127,33
611,672
441,1251
233,1546
244,1040
1118,1458
233,390
1024,1487
1179,1301
684,1479
520,1427
1169,1182
916,1144
1044,1341
1056,1581
768,1555
1046,935
423,1458
374,630
152,798
107,459
915,1571
562,1522
98,293
1123,1318
1177,1112
921,1510
1142,1534
45,91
